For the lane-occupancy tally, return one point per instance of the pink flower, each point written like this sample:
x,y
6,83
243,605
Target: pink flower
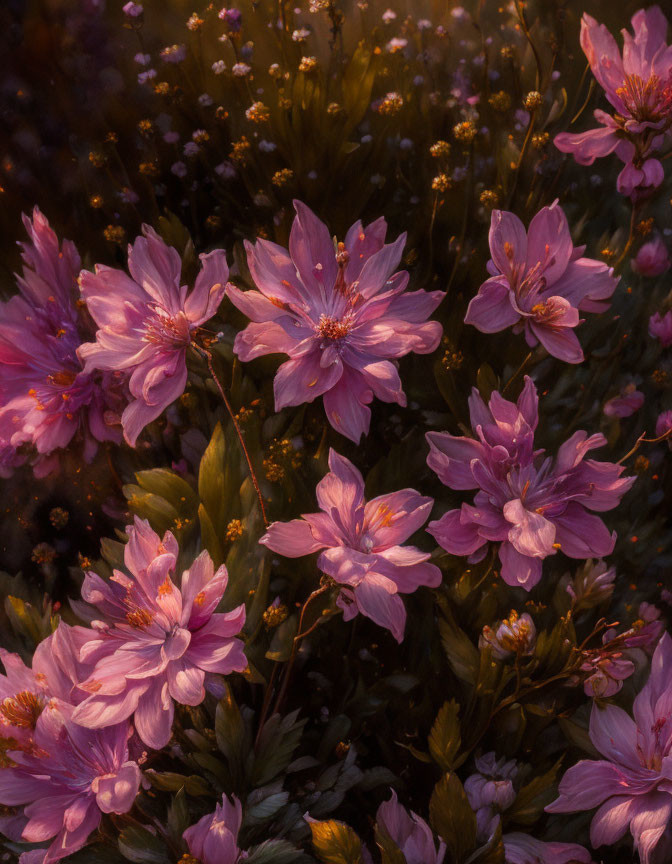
x,y
146,322
522,848
663,423
626,404
133,10
515,635
607,674
361,540
156,641
490,791
638,86
531,506
660,327
70,777
631,785
652,259
342,315
409,832
213,839
539,282
46,398
63,776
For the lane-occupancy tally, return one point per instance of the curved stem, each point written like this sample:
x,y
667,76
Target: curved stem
x,y
203,352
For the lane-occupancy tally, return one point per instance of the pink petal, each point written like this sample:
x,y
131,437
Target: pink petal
x,y
115,793
185,682
304,379
454,535
156,267
519,570
312,250
154,715
208,291
390,519
549,243
508,244
377,599
346,406
292,539
491,310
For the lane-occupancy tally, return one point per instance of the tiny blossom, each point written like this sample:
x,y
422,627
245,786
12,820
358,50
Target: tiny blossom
x,y
539,282
515,635
133,10
218,67
179,169
424,24
531,504
652,259
258,113
194,22
142,59
148,75
628,402
663,423
361,547
226,170
233,18
240,70
190,148
173,53
146,322
205,100
300,35
660,327
389,16
157,640
342,315
630,784
267,146
214,838
171,137
396,44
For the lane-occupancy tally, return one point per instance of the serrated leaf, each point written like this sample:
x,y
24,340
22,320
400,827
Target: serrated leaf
x,y
276,852
141,846
168,781
451,816
445,739
336,843
461,652
278,741
533,797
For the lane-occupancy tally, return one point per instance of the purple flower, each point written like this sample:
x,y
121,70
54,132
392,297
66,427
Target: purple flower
x,y
652,259
133,10
340,314
627,403
409,832
361,542
660,327
233,18
663,423
146,322
531,505
539,282
522,848
515,635
157,641
46,398
592,585
631,785
607,672
490,791
213,839
638,86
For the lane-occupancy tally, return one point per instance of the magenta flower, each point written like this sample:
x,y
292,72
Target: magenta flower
x,y
214,838
605,674
638,85
522,848
361,547
631,785
539,282
46,398
67,780
660,327
652,259
663,423
531,505
146,322
627,403
342,315
410,833
157,641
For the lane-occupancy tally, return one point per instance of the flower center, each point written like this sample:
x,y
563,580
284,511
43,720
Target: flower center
x,y
646,100
333,328
168,331
22,710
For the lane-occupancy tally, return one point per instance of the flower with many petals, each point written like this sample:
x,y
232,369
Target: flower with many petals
x,y
411,834
342,314
638,85
627,403
214,838
631,785
146,322
361,547
539,282
156,641
531,505
46,397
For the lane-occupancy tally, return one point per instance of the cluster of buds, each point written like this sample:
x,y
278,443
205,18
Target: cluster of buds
x,y
515,635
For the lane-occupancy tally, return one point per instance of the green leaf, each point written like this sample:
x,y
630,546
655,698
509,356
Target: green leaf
x,y
532,798
451,816
231,735
168,781
278,741
276,852
445,739
177,820
390,853
461,652
140,845
336,843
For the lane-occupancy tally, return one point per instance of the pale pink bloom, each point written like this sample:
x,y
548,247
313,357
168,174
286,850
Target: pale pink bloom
x,y
490,791
638,86
631,785
411,834
539,282
531,505
361,547
607,674
660,327
627,403
146,322
652,259
515,635
341,314
156,641
214,838
47,399
663,423
133,10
